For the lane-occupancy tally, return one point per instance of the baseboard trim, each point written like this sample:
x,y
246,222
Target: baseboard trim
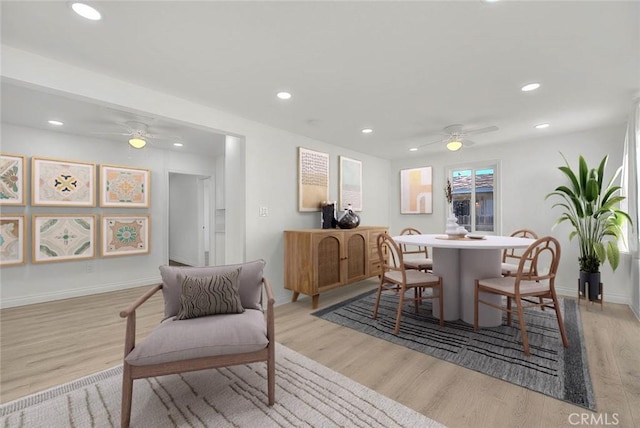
x,y
67,294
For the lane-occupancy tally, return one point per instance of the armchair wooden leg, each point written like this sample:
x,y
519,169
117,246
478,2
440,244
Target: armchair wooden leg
x,y
127,393
271,375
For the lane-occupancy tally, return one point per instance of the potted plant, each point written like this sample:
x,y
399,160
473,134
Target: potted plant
x,y
594,212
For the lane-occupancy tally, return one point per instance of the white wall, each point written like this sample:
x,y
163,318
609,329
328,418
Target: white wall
x,y
34,283
528,172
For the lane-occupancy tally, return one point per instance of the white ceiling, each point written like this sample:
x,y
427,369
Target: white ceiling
x,y
405,69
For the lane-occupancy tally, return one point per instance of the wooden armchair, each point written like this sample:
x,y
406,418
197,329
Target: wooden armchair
x,y
239,331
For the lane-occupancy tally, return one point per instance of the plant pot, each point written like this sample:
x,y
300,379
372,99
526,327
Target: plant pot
x,y
590,284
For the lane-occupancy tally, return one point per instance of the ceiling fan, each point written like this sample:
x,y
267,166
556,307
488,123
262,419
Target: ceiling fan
x,y
138,134
456,136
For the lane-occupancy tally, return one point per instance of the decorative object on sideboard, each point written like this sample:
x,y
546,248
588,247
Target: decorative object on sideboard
x,y
328,220
348,219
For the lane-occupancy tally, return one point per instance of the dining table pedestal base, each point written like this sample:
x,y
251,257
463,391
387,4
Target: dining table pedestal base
x,y
459,268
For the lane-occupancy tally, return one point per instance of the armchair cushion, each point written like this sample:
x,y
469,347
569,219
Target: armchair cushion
x,y
209,295
176,340
249,283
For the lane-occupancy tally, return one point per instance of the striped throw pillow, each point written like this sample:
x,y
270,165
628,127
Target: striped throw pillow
x,y
210,295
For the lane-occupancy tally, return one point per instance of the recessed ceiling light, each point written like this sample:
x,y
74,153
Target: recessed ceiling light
x,y
367,131
530,87
413,149
86,11
178,144
542,126
55,122
283,95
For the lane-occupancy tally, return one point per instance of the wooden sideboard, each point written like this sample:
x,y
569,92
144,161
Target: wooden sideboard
x,y
318,260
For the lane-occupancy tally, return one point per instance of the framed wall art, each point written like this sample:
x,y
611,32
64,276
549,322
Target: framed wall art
x,y
125,235
13,233
350,184
124,187
313,179
57,182
12,179
416,191
63,237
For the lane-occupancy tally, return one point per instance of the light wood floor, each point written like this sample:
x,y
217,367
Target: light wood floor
x,y
47,344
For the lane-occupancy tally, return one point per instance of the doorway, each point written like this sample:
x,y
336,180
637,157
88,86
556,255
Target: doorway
x,y
190,218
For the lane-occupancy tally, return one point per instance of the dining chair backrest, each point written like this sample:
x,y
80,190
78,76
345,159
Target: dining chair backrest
x,y
390,254
512,253
540,260
412,249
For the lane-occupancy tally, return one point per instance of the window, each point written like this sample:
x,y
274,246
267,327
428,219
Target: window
x,y
475,196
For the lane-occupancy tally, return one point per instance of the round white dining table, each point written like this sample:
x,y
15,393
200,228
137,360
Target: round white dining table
x,y
459,262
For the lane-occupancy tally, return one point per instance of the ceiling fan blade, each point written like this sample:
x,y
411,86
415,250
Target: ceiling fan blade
x,y
110,133
481,130
467,143
442,140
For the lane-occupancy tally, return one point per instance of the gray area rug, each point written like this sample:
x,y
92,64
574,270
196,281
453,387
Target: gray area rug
x,y
497,351
307,395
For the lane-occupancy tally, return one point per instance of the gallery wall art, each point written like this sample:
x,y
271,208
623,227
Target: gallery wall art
x,y
313,179
416,191
63,237
57,182
350,183
12,179
124,187
13,232
125,235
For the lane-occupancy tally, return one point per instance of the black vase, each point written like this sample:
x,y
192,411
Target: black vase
x,y
590,285
349,220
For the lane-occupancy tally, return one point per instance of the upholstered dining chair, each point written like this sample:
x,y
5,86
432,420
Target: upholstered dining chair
x,y
213,317
534,279
418,257
397,278
511,256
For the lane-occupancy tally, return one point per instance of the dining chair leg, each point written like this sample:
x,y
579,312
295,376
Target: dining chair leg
x,y
375,307
523,328
508,311
399,314
563,334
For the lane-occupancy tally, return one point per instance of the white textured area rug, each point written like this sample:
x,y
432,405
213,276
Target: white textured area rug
x,y
307,395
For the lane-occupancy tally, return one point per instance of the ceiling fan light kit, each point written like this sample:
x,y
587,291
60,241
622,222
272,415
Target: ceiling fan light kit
x,y
454,145
137,143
